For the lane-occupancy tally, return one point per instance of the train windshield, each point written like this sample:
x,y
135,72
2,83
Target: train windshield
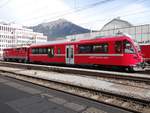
x,y
128,47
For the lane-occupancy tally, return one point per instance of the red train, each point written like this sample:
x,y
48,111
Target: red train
x,y
120,51
19,54
145,49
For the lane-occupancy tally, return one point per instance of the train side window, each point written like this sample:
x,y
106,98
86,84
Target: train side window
x,y
97,48
44,51
33,51
100,48
36,50
40,50
85,49
58,51
128,47
50,52
118,46
17,49
71,52
105,48
67,52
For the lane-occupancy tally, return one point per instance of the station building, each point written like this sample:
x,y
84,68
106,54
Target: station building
x,y
141,33
13,35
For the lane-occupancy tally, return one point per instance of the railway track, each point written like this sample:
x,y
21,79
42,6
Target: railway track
x,y
123,101
137,77
129,79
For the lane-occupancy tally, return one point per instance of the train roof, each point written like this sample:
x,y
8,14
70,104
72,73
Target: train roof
x,y
16,47
112,38
106,39
144,44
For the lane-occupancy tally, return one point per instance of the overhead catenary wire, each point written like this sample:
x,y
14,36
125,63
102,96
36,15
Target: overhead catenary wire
x,y
68,12
4,4
124,15
108,18
79,9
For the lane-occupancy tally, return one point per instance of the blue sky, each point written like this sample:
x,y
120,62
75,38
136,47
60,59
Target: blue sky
x,y
92,14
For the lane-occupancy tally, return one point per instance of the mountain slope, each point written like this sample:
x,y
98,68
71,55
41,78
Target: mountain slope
x,y
58,28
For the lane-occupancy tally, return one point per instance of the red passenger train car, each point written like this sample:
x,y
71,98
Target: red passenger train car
x,y
19,54
120,51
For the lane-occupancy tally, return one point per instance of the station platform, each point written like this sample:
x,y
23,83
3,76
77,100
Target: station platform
x,y
22,97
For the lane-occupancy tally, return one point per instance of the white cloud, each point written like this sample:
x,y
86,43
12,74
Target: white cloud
x,y
134,13
31,12
131,9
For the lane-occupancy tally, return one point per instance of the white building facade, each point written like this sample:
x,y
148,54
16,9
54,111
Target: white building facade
x,y
12,35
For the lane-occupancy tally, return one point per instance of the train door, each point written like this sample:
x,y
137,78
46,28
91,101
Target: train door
x,y
70,54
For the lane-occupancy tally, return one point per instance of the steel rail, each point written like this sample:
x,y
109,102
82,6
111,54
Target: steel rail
x,y
80,71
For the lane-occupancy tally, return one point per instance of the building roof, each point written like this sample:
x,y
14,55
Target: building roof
x,y
116,23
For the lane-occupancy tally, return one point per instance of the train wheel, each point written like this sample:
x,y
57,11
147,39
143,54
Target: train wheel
x,y
25,61
130,69
20,60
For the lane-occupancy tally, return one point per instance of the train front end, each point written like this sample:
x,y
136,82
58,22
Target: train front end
x,y
132,49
